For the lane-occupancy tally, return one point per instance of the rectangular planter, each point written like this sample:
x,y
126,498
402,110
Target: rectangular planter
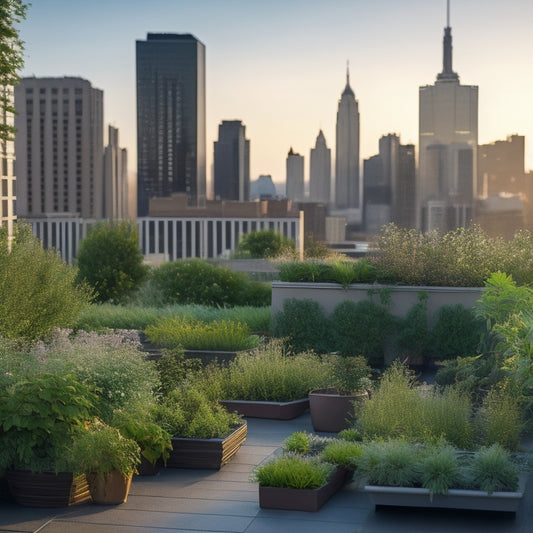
x,y
310,500
211,356
271,410
474,500
206,453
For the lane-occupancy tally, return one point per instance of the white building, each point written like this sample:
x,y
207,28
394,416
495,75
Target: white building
x,y
448,137
295,177
7,172
320,171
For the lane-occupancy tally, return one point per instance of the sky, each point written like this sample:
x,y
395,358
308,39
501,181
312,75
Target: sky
x,y
280,65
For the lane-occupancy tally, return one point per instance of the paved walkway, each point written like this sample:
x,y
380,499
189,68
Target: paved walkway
x,y
226,501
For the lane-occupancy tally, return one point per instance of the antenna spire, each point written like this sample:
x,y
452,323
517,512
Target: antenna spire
x,y
447,73
348,72
448,13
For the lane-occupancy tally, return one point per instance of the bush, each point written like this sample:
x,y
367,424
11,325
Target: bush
x,y
256,294
413,332
38,291
297,442
343,453
492,470
440,470
110,261
304,325
360,329
194,281
263,244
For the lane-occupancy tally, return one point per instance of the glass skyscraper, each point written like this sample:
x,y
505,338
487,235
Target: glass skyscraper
x,y
171,150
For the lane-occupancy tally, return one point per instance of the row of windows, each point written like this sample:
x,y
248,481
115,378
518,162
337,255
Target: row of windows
x,y
55,90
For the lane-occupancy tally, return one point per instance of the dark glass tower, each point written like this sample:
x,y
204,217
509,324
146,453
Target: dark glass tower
x,y
170,118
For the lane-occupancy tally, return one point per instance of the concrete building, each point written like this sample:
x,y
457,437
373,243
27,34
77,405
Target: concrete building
x,y
448,138
263,188
117,192
295,177
232,162
59,146
7,172
500,167
348,188
320,171
171,136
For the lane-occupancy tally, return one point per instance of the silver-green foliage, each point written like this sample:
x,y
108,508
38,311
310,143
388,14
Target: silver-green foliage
x,y
492,471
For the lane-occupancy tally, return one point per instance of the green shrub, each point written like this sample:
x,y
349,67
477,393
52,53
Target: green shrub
x,y
303,271
264,243
256,294
360,329
173,368
350,434
194,281
343,453
110,261
293,472
440,470
297,442
38,291
192,334
493,471
304,325
457,332
348,375
413,336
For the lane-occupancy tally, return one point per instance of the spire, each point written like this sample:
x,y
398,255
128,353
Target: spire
x,y
348,90
447,73
348,72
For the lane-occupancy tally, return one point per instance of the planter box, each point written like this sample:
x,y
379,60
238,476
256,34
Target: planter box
x,y
474,500
332,412
263,409
211,356
47,489
402,298
303,499
206,453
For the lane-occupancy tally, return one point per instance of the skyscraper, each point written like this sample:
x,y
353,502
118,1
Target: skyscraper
x,y
320,171
7,171
116,189
232,162
347,183
171,149
448,136
59,146
295,177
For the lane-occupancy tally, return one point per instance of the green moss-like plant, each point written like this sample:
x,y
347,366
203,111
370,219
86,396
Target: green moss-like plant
x,y
298,442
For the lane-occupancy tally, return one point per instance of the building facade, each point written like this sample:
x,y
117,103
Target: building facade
x,y
7,172
59,147
232,162
171,136
448,137
295,185
348,188
117,192
320,171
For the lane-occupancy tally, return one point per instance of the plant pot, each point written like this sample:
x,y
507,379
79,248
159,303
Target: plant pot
x,y
5,494
474,500
303,499
206,453
264,409
332,412
146,468
47,489
111,488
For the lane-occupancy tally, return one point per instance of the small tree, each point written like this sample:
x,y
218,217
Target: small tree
x,y
265,243
110,261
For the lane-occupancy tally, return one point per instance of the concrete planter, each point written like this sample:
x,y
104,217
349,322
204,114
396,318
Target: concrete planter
x,y
270,410
474,500
332,412
402,298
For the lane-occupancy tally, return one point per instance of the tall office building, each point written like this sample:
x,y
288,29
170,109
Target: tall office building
x,y
295,177
59,146
232,162
347,184
116,188
171,149
448,136
7,170
320,171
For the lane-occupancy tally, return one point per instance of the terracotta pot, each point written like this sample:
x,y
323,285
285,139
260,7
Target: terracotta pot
x,y
109,489
332,412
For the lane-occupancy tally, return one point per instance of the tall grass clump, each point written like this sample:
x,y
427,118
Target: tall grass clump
x,y
398,409
194,334
267,374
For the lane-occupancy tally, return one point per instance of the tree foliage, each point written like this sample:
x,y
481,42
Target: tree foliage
x,y
265,243
110,261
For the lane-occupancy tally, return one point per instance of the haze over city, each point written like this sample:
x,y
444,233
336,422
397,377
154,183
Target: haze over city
x,y
280,66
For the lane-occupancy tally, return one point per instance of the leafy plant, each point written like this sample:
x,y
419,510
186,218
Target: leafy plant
x,y
342,453
264,243
492,470
350,434
349,375
192,334
413,332
293,472
297,442
110,261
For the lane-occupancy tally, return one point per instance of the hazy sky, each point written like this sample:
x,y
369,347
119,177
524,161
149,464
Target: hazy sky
x,y
280,65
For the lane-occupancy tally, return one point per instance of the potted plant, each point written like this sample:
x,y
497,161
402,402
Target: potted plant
x,y
204,434
108,459
333,408
154,442
39,418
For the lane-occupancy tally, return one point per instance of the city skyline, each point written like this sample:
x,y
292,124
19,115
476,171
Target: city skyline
x,y
280,66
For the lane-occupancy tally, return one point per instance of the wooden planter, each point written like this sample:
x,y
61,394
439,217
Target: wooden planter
x,y
331,412
47,489
206,453
111,488
263,409
473,500
303,499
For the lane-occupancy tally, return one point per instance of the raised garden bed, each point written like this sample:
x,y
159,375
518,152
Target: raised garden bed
x,y
206,453
264,409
